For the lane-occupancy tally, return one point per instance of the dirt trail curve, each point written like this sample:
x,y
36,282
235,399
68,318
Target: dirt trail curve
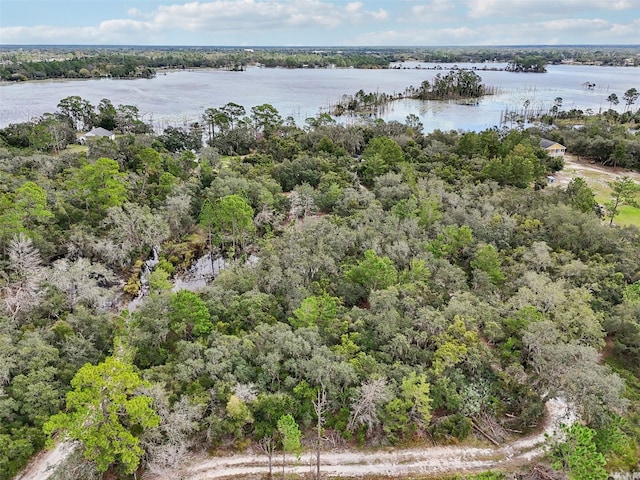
x,y
44,463
450,459
393,463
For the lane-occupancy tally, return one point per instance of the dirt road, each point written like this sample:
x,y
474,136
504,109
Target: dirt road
x,y
593,173
398,463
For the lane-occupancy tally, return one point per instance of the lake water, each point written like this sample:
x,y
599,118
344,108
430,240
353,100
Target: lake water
x,y
177,98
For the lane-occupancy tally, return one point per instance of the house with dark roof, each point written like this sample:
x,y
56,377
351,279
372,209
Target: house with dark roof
x,y
98,132
554,149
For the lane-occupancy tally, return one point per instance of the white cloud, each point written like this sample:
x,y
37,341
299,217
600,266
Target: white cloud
x,y
354,22
552,32
435,11
527,8
599,30
241,17
422,36
262,14
109,31
439,6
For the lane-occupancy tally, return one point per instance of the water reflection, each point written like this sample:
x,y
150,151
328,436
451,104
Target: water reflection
x,y
181,97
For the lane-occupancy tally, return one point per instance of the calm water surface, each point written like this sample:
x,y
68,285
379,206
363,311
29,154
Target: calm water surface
x,y
180,97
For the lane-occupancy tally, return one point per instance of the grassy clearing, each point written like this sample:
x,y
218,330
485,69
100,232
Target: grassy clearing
x,y
598,178
628,216
76,148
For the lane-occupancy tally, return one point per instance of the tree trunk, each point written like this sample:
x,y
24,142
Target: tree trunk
x,y
319,407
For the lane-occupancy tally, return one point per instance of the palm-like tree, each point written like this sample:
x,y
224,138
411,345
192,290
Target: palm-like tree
x,y
630,97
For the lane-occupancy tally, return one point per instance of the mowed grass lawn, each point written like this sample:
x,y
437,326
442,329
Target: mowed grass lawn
x,y
598,178
627,215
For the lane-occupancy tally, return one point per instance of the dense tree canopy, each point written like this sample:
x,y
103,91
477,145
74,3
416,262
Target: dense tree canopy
x,y
425,286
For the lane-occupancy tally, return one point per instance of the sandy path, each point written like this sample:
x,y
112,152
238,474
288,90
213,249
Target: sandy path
x,y
384,462
581,168
43,464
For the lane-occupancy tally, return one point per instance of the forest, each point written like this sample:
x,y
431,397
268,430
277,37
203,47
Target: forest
x,y
44,62
380,287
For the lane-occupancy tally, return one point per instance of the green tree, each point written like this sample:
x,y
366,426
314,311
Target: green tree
x,y
97,186
630,97
159,281
14,453
320,311
149,164
233,113
78,110
451,242
24,210
178,139
619,154
518,168
578,456
266,119
488,260
581,197
290,437
214,118
106,116
189,313
239,413
52,134
409,410
106,414
623,192
231,217
373,272
128,120
381,155
454,346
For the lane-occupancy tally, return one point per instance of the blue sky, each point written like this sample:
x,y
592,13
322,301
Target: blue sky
x,y
320,22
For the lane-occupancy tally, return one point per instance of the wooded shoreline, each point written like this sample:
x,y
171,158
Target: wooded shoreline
x,y
38,62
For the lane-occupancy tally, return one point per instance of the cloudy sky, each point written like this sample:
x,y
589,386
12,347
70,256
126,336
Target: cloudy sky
x,y
320,22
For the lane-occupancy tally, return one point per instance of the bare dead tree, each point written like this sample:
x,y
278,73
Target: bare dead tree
x,y
168,444
268,446
364,406
22,291
320,408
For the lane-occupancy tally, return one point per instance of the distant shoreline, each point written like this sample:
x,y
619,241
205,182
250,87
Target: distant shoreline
x,y
161,71
28,63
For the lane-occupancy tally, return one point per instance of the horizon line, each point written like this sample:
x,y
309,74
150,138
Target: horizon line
x,y
118,45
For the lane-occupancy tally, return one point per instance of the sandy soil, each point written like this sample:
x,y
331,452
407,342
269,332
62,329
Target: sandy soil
x,y
43,464
583,168
449,459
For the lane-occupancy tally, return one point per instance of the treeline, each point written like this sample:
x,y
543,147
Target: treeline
x,y
145,64
529,64
461,85
387,285
33,63
116,65
602,55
